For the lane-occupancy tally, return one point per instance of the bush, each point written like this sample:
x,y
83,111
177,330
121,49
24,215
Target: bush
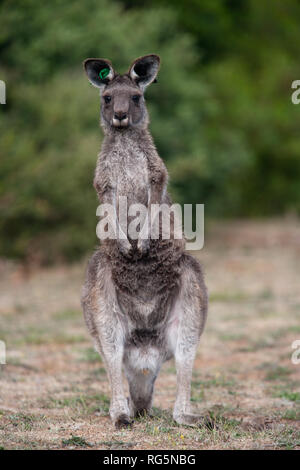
x,y
222,116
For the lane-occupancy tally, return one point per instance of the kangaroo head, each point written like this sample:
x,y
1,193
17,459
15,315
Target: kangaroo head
x,y
122,96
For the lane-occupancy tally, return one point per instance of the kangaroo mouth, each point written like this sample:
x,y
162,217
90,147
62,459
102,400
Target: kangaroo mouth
x,y
120,123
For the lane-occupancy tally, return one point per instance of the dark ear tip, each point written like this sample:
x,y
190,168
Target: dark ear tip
x,y
155,56
85,62
96,59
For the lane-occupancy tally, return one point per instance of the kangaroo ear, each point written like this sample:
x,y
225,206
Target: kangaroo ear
x,y
99,71
144,70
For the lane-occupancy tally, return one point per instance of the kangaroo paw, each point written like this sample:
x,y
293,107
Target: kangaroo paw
x,y
143,245
125,248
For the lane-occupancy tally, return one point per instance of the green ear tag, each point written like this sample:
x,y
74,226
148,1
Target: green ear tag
x,y
103,73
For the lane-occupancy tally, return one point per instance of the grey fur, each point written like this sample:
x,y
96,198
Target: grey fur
x,y
144,301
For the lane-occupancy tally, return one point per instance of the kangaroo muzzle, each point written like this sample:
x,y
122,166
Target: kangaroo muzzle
x,y
120,120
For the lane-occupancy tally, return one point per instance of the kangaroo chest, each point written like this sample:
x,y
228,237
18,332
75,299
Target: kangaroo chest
x,y
129,174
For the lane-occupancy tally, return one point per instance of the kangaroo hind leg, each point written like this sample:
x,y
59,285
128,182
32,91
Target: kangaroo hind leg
x,y
101,312
190,314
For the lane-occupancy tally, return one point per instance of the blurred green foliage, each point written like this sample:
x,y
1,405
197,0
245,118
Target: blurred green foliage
x,y
221,114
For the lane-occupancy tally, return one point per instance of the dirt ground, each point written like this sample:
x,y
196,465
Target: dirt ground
x,y
54,392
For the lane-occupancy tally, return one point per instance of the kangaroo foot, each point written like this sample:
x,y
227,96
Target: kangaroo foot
x,y
123,421
195,420
142,413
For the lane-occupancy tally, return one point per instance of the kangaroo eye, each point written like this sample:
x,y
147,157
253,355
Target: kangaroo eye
x,y
107,99
136,98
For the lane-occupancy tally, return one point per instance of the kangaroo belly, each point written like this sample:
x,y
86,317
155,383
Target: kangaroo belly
x,y
146,338
156,274
142,314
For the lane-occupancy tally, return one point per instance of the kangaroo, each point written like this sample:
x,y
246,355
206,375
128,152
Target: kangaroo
x,y
144,300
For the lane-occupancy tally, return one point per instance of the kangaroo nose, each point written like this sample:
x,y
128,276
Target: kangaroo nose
x,y
120,116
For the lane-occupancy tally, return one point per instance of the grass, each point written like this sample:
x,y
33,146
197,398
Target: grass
x,y
24,421
282,332
36,336
90,355
288,395
76,441
198,397
239,296
82,404
217,381
232,337
276,372
69,314
293,414
117,445
228,297
256,344
289,439
99,372
55,391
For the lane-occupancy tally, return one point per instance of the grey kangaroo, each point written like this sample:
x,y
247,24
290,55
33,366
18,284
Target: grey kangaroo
x,y
144,299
